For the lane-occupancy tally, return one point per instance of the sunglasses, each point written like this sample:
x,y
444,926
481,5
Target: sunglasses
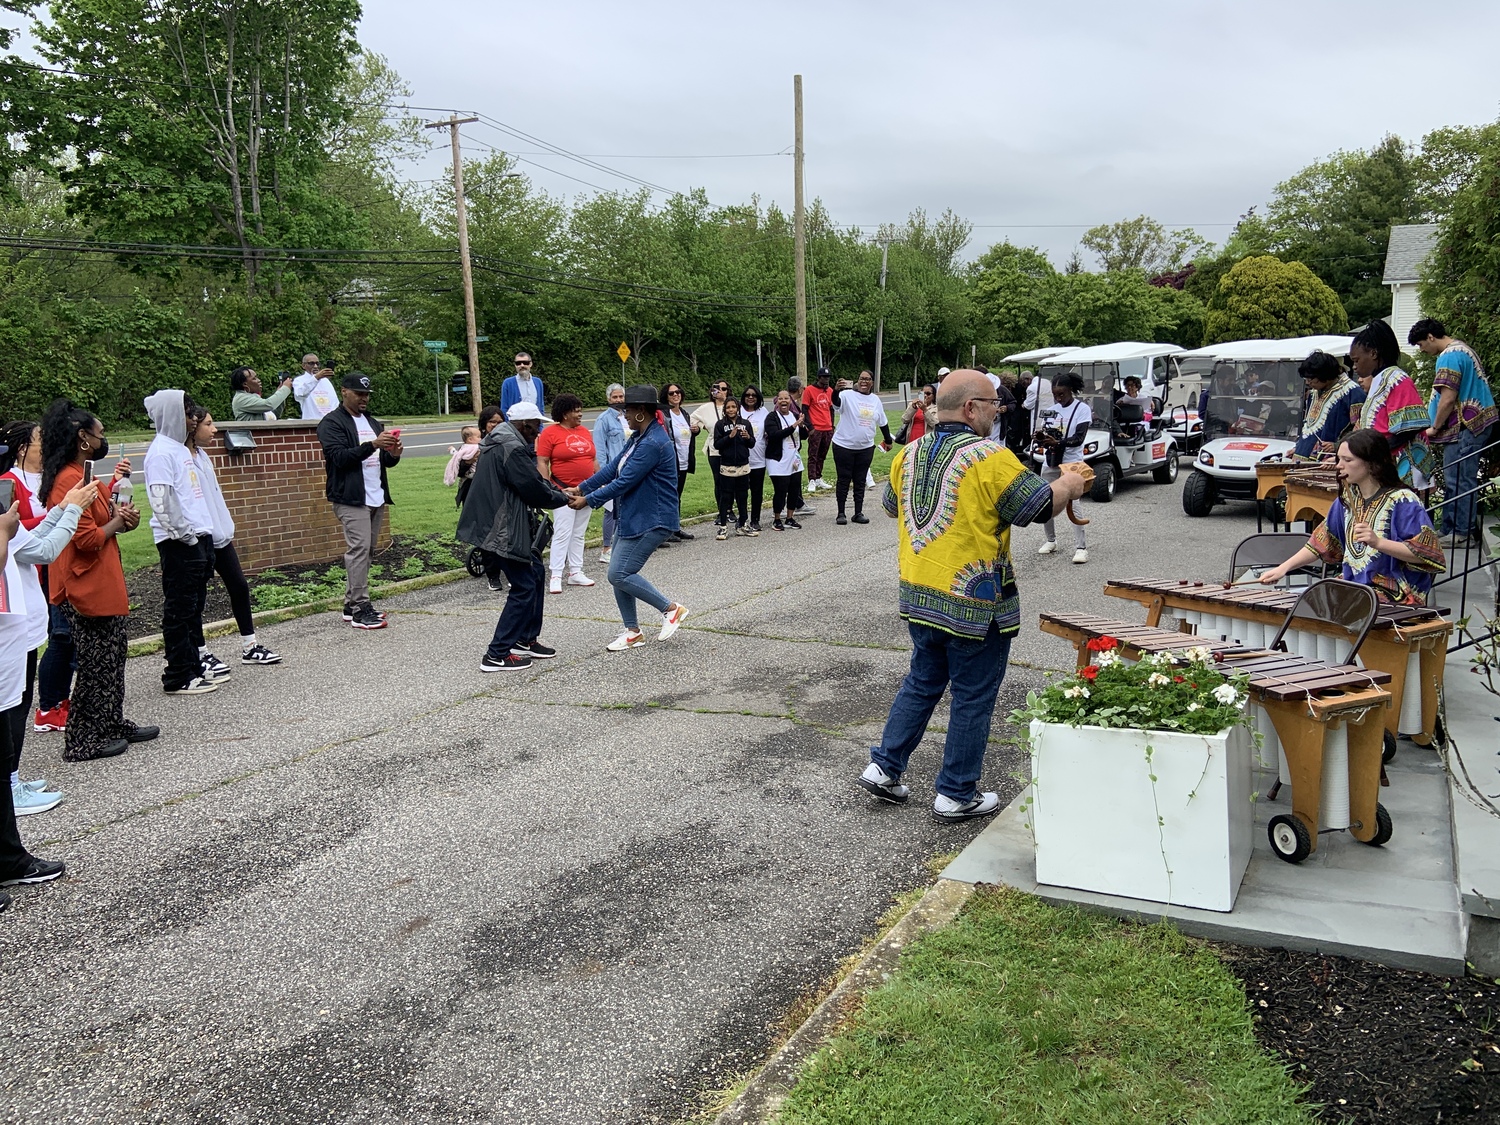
x,y
722,387
523,363
671,393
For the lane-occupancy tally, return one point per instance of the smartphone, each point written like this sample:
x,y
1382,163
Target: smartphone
x,y
88,471
395,433
7,495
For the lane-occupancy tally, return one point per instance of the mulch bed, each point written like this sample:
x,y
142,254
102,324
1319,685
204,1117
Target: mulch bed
x,y
144,586
1377,1044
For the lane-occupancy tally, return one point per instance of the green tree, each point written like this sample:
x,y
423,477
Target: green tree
x,y
1013,288
1263,297
1462,284
1142,243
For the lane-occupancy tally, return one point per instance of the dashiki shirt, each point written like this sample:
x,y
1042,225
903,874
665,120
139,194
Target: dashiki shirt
x,y
1459,369
1396,410
956,496
1328,414
1396,514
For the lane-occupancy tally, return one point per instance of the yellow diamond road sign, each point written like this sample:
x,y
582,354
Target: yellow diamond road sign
x,y
623,351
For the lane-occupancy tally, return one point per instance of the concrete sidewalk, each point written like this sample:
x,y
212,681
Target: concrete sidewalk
x,y
372,884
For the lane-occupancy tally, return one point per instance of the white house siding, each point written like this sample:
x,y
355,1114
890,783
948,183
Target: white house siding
x,y
1405,310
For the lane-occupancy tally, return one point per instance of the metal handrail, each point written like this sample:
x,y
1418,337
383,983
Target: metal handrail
x,y
1473,546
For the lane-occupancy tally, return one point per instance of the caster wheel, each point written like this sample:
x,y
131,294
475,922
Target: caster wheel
x,y
474,564
1388,748
1290,839
1382,827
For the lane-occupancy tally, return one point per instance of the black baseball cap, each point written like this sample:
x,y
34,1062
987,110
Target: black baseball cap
x,y
356,381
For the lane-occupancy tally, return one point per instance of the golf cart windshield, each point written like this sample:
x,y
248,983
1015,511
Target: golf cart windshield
x,y
1262,397
1102,387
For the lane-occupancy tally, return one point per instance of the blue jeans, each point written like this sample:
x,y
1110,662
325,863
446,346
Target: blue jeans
x,y
973,670
625,561
59,662
521,619
1459,477
609,528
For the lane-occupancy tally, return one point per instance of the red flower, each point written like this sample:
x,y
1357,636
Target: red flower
x,y
1103,644
1090,672
1178,679
1193,686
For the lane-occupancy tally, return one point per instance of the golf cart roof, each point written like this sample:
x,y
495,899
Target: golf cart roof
x,y
1297,348
1037,355
1114,353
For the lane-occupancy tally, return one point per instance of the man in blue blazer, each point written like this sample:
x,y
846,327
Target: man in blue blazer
x,y
522,387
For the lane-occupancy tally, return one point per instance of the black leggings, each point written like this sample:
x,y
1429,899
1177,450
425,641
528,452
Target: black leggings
x,y
732,491
20,715
784,495
757,493
853,465
227,565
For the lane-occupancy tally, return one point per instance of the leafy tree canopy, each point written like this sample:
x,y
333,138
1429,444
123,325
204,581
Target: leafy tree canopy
x,y
1265,298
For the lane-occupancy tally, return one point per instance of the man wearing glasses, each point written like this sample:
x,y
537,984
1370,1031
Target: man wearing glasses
x,y
313,389
523,386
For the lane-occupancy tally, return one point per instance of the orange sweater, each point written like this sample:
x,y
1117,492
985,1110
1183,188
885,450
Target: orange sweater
x,y
88,575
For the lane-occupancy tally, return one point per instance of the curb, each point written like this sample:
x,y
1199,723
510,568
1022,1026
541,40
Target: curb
x,y
761,1099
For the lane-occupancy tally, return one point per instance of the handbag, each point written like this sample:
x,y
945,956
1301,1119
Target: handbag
x,y
543,534
734,470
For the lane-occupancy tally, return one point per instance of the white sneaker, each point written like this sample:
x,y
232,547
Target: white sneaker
x,y
1047,548
555,586
604,555
578,578
1081,555
983,804
876,782
671,622
27,801
626,640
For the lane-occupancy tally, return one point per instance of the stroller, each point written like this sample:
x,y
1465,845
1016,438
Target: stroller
x,y
474,561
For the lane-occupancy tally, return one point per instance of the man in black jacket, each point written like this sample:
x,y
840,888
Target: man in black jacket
x,y
357,451
501,518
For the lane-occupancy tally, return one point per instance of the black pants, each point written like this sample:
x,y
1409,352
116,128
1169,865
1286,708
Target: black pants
x,y
853,466
521,619
732,492
20,715
784,492
185,571
13,855
97,714
682,476
227,565
757,493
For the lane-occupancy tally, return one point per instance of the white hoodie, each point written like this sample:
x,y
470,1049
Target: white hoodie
x,y
174,485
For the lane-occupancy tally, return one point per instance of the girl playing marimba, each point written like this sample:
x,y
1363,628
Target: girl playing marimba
x,y
1377,529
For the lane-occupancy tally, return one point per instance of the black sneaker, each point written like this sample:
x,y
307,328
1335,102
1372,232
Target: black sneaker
x,y
213,667
35,870
497,583
683,535
777,526
111,749
134,732
351,610
365,617
510,662
842,519
793,524
860,517
536,650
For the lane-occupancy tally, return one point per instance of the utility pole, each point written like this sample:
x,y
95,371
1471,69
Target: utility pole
x,y
452,125
799,253
885,250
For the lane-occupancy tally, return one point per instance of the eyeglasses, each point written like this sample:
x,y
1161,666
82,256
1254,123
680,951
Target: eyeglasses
x,y
309,363
991,401
523,363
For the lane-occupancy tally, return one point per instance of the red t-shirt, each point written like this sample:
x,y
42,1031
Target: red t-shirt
x,y
819,403
572,453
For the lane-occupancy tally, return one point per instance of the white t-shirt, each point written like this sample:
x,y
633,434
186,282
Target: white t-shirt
x,y
680,427
1067,419
1038,398
859,420
34,602
757,421
316,396
790,461
374,494
14,636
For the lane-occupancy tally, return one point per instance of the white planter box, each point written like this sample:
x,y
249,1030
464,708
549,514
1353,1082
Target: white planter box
x,y
1095,812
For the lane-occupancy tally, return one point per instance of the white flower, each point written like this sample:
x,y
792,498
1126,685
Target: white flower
x,y
1226,694
1076,691
1200,655
1159,659
1193,707
1107,659
1156,679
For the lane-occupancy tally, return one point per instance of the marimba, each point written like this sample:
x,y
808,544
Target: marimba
x,y
1311,489
1408,643
1321,719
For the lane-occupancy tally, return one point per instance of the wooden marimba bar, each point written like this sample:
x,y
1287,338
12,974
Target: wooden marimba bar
x,y
1322,720
1408,643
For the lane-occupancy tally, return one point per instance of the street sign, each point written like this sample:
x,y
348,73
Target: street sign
x,y
481,339
623,351
434,345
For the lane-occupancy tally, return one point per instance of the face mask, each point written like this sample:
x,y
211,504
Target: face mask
x,y
617,407
102,451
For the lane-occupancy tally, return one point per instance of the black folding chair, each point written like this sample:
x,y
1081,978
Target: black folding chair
x,y
1267,549
1332,600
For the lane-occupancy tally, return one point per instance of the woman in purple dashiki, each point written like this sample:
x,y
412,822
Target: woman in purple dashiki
x,y
1377,530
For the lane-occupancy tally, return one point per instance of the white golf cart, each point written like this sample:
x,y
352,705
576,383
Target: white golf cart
x,y
1253,408
1125,439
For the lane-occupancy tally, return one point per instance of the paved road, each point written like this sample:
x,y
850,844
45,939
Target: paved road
x,y
373,885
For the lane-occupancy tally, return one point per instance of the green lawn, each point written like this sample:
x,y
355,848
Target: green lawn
x,y
1021,1012
424,507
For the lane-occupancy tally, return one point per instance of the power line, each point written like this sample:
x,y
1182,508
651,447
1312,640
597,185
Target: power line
x,y
521,134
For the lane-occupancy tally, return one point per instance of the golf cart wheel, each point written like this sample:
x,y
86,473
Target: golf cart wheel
x,y
1290,839
1382,827
1104,483
1166,473
1387,748
1199,493
474,564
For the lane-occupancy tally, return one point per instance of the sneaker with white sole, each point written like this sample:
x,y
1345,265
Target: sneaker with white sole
x,y
28,801
35,870
982,804
555,586
1047,548
497,583
876,782
1081,555
259,654
55,719
510,662
536,650
367,616
604,555
196,686
722,534
213,667
671,622
36,785
578,578
626,640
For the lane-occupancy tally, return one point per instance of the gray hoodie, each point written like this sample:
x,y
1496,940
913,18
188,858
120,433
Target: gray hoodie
x,y
174,485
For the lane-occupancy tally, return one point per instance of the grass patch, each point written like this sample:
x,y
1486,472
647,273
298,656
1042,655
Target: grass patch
x,y
1023,1012
424,506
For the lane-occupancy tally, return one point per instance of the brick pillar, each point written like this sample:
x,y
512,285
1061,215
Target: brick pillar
x,y
276,495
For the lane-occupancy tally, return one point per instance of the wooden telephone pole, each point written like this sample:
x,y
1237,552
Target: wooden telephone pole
x,y
799,253
452,124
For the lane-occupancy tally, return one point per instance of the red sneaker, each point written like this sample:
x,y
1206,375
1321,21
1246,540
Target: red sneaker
x,y
55,719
